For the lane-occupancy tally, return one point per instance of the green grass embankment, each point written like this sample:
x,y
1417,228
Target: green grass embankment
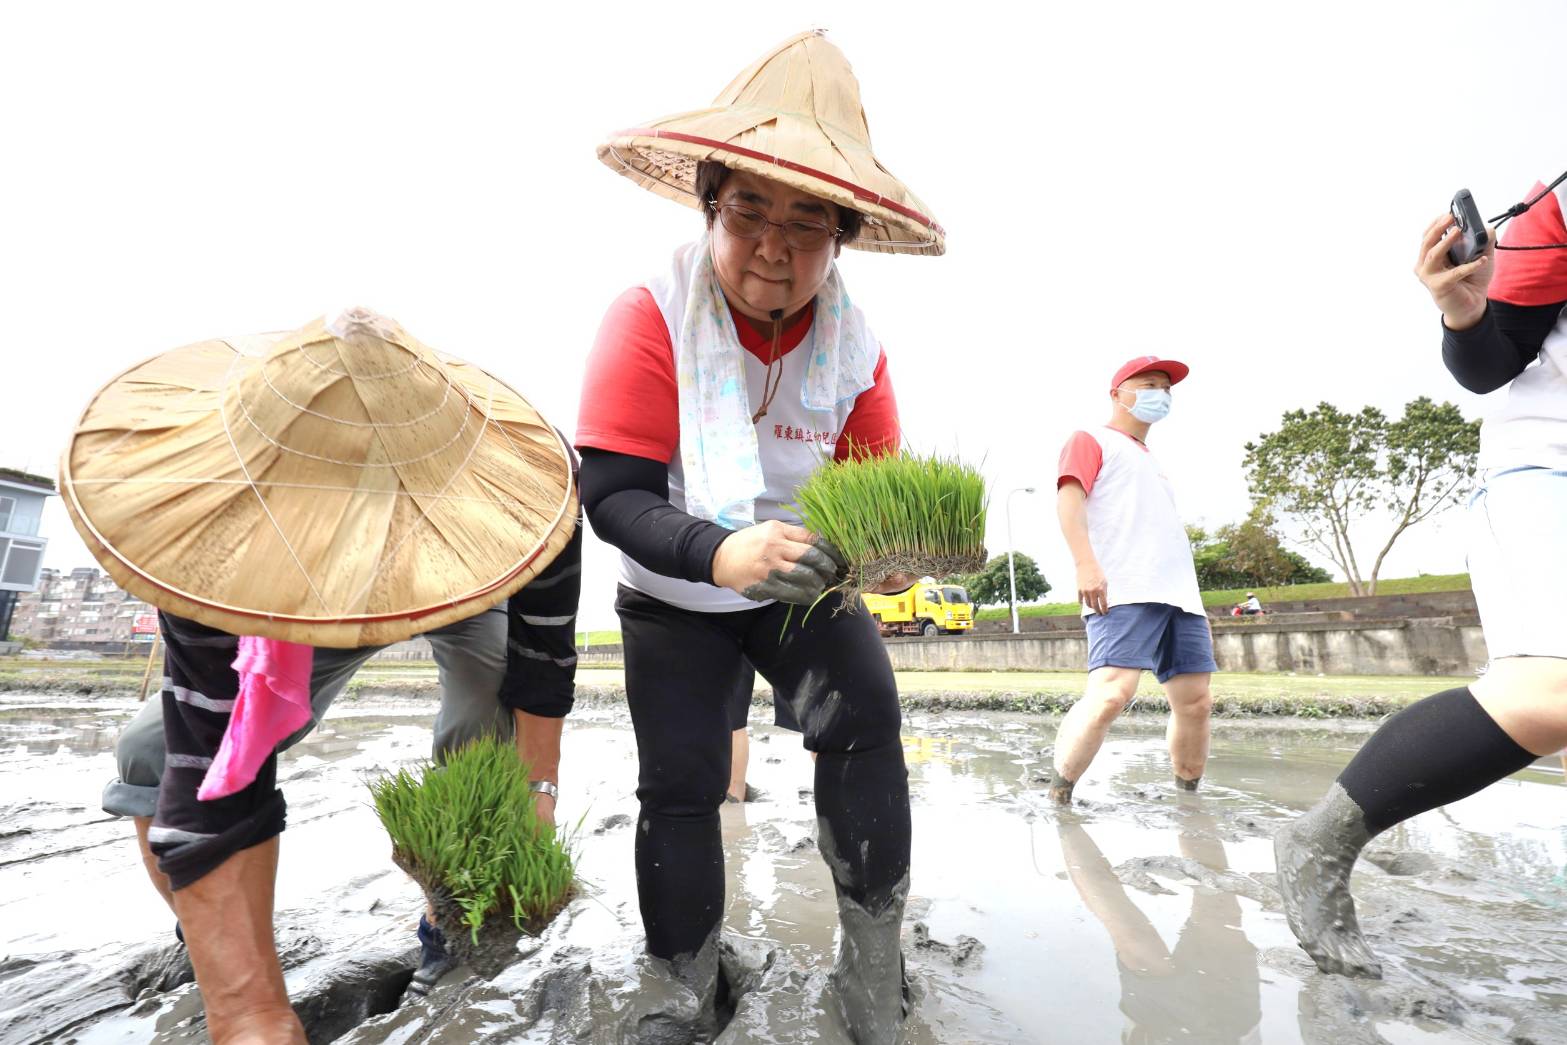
x,y
1236,695
1284,593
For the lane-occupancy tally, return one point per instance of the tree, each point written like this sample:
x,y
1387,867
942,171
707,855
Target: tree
x,y
1248,554
989,586
1328,471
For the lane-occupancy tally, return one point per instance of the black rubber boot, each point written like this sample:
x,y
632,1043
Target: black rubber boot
x,y
435,960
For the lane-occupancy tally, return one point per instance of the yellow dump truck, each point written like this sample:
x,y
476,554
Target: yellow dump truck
x,y
927,609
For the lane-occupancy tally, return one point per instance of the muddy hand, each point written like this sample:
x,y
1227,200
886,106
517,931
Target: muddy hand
x,y
773,560
839,560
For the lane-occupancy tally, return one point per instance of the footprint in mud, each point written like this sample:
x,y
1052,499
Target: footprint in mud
x,y
964,952
1337,1009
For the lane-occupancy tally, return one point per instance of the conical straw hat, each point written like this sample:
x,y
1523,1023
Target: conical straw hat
x,y
340,485
794,117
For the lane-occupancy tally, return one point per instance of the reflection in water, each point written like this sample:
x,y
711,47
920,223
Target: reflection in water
x,y
1475,892
1207,988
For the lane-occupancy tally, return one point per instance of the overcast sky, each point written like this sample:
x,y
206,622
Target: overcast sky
x,y
1241,186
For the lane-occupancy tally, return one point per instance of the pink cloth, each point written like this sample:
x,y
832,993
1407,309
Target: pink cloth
x,y
273,703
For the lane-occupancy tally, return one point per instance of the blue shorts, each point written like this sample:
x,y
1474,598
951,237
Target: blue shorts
x,y
1151,635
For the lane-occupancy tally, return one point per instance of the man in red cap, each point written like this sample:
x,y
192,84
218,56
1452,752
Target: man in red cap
x,y
1135,579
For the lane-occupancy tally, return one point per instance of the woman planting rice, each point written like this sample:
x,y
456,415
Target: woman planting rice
x,y
712,393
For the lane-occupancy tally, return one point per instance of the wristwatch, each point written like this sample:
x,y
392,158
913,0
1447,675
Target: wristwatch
x,y
544,787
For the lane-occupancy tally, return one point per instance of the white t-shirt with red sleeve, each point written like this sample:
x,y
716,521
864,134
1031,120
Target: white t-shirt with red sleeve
x,y
1133,525
1528,427
631,405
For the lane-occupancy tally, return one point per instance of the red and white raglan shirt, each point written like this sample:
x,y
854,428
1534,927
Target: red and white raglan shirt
x,y
1522,339
1134,528
1517,558
631,405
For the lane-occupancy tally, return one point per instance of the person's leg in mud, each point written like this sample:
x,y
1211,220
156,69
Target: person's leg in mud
x,y
228,918
739,763
139,749
1434,752
220,855
1185,667
1450,745
680,668
1191,708
740,739
831,668
1084,726
1122,643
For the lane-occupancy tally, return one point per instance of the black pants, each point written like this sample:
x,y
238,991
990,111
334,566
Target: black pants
x,y
831,671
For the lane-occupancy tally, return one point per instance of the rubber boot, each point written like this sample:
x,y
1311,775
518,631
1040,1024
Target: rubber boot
x,y
699,973
868,977
1315,855
435,960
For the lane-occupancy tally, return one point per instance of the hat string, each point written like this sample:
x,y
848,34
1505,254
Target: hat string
x,y
388,556
245,409
769,393
446,393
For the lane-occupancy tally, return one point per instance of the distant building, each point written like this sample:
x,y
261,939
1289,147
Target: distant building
x,y
82,608
22,499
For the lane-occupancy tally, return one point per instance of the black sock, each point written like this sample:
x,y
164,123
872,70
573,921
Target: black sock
x,y
1436,751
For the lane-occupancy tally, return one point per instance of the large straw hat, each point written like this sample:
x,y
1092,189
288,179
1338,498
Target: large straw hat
x,y
340,485
794,117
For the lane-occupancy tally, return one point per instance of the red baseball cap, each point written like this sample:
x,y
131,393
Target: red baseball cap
x,y
1142,364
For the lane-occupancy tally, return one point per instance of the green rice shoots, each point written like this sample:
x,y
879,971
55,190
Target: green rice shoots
x,y
466,830
908,514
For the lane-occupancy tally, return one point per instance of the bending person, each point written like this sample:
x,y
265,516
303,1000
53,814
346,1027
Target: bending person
x,y
711,394
1135,579
1501,329
321,457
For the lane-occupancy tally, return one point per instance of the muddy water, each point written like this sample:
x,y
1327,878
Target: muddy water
x,y
1139,915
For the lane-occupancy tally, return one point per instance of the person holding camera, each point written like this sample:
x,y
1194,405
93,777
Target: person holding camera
x,y
1504,325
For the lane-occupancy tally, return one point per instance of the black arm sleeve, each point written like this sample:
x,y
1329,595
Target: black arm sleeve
x,y
627,500
1498,348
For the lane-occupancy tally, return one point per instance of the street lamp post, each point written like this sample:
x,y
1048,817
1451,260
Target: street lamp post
x,y
1011,568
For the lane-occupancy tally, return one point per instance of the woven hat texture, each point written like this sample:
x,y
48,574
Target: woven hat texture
x,y
340,485
795,117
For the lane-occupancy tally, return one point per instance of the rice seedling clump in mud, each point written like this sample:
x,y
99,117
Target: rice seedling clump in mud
x,y
908,514
467,832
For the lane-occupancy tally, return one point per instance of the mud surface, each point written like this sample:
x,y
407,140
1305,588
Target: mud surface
x,y
1138,915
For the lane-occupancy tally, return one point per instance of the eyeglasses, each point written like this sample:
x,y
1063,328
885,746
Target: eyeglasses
x,y
745,223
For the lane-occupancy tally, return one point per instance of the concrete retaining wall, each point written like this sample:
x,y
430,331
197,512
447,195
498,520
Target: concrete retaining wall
x,y
1433,646
1366,607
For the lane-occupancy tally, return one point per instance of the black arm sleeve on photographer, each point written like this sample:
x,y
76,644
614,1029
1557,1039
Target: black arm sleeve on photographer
x,y
1498,348
627,501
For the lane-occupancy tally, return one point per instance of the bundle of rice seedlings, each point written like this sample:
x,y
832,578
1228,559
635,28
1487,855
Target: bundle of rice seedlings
x,y
467,832
906,514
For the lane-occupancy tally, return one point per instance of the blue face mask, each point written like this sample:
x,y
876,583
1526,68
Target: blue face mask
x,y
1153,404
